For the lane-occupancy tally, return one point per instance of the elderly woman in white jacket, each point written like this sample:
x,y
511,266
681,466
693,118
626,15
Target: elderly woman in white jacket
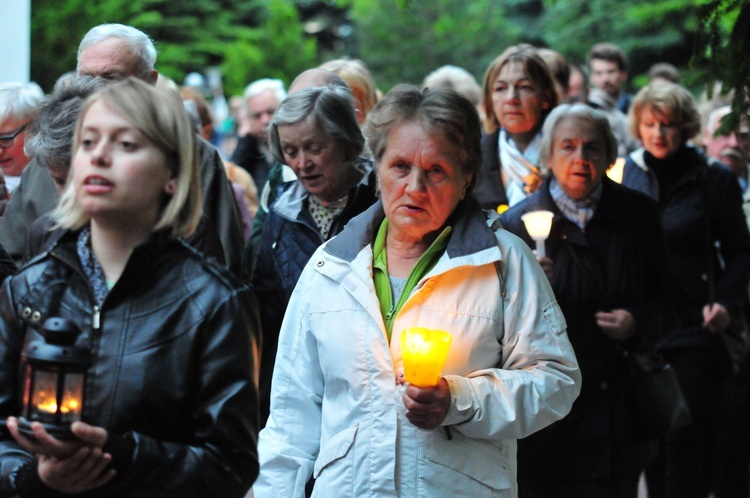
x,y
425,255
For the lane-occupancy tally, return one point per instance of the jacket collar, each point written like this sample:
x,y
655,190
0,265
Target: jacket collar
x,y
291,203
470,232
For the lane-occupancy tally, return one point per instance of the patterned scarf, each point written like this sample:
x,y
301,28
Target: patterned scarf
x,y
520,168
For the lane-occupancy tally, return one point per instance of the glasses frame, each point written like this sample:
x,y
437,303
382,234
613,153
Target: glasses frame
x,y
7,140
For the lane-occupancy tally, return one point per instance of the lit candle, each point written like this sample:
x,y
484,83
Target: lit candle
x,y
423,352
538,224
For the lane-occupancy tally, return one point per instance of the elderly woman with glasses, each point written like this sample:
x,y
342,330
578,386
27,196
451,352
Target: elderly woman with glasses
x,y
425,256
19,104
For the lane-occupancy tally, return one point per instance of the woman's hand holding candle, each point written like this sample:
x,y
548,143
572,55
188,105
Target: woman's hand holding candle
x,y
427,407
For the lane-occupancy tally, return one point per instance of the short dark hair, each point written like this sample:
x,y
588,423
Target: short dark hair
x,y
609,52
664,70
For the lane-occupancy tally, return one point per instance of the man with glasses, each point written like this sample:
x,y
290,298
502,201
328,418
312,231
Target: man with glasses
x,y
19,104
114,52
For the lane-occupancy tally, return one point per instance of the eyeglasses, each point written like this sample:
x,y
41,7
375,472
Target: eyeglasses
x,y
6,141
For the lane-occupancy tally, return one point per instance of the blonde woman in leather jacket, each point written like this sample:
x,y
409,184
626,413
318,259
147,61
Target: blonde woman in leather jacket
x,y
171,394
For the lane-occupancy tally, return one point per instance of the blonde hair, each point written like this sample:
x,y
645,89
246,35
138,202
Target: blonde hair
x,y
671,101
359,79
162,119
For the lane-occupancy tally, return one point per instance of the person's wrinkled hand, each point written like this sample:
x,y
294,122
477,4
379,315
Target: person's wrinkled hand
x,y
618,325
427,407
716,318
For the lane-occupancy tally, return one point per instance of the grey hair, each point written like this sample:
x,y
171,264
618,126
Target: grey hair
x,y
440,112
713,124
50,137
328,108
583,112
457,79
257,87
20,101
136,40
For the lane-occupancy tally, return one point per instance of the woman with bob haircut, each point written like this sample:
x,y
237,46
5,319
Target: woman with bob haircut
x,y
171,396
424,255
708,269
519,92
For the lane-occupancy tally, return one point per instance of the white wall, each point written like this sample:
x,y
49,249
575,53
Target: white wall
x,y
15,40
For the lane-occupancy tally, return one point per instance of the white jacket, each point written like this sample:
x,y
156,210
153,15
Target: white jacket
x,y
511,371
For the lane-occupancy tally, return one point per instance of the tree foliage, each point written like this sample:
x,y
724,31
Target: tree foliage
x,y
726,58
403,41
247,38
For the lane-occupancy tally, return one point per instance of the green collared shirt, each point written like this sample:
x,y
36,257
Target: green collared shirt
x,y
380,272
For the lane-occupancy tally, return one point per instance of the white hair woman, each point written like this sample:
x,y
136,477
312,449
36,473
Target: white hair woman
x,y
605,261
171,392
19,105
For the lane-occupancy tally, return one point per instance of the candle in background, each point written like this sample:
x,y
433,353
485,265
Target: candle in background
x,y
538,224
423,352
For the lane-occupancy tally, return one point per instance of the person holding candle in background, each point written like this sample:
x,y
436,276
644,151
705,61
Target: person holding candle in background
x,y
427,256
708,269
170,404
605,260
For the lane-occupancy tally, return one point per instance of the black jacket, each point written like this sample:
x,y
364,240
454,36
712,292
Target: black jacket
x,y
708,244
489,189
174,346
616,263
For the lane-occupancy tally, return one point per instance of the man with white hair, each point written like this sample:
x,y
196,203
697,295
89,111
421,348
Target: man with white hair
x,y
262,97
19,104
730,148
115,52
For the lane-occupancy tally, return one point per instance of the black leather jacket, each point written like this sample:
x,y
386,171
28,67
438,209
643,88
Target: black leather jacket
x,y
174,371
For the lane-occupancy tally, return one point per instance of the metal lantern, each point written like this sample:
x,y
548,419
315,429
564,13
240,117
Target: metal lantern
x,y
54,379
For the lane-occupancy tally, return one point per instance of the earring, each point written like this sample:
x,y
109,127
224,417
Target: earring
x,y
169,187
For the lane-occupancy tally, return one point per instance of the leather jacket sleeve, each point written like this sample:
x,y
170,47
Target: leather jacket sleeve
x,y
222,460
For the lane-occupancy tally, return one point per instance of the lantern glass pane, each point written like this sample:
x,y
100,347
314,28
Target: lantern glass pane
x,y
72,397
44,398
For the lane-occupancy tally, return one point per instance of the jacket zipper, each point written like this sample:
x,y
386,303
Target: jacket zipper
x,y
96,318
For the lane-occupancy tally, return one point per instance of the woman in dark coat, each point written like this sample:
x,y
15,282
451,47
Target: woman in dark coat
x,y
708,268
315,131
605,262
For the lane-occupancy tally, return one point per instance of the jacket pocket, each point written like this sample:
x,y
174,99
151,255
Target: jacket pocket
x,y
555,318
336,448
488,463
